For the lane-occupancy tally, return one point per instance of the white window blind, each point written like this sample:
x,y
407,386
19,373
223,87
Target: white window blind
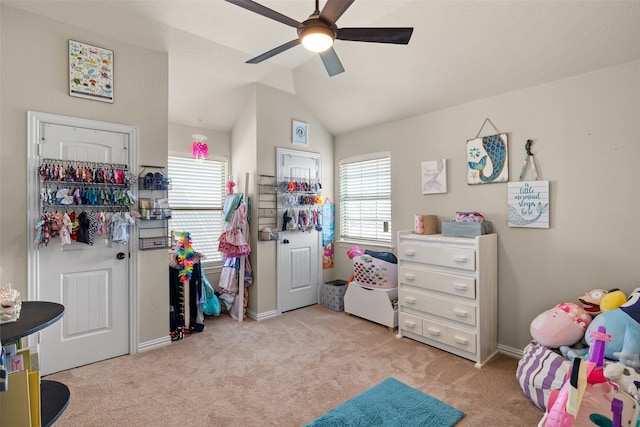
x,y
365,198
197,198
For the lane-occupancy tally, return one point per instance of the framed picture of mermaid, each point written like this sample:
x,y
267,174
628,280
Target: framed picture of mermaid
x,y
528,204
488,159
434,176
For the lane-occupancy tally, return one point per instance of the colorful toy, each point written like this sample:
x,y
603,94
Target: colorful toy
x,y
354,252
624,325
591,301
563,325
587,398
185,254
612,300
627,378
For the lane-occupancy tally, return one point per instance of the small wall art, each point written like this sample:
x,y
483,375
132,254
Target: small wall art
x,y
434,176
300,133
90,72
487,159
528,204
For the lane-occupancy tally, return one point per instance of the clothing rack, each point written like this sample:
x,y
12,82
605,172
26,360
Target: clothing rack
x,y
233,243
243,259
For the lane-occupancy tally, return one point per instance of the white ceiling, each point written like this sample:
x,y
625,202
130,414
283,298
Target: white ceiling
x,y
460,51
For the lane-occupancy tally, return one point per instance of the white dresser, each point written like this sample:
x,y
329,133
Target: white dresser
x,y
448,293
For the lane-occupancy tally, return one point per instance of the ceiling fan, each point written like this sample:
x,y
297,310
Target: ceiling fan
x,y
318,32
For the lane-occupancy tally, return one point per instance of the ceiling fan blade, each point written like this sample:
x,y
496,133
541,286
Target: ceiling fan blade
x,y
331,62
274,52
265,11
375,35
333,10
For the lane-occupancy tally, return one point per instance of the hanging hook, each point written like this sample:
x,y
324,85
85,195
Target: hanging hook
x,y
527,147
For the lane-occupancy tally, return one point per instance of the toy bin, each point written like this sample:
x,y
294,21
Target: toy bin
x,y
375,273
332,295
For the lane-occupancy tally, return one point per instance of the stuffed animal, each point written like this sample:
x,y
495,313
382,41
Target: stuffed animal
x,y
563,325
623,323
612,300
591,301
628,379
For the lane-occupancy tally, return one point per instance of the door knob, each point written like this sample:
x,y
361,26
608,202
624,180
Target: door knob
x,y
120,255
285,241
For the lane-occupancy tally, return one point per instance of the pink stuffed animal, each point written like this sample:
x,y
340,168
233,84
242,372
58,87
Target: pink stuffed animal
x,y
564,324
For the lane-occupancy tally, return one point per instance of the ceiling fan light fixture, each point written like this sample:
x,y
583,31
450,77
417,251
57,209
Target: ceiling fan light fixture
x,y
317,39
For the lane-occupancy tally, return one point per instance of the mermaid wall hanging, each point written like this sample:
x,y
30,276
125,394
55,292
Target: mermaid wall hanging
x,y
528,200
488,157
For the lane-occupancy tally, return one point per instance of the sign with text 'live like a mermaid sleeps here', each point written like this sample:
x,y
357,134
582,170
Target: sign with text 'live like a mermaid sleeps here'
x,y
528,204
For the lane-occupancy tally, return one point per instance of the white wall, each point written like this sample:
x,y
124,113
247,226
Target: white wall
x,y
181,140
587,144
264,125
34,72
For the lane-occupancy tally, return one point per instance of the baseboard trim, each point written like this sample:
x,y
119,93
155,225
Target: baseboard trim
x,y
149,345
510,351
262,316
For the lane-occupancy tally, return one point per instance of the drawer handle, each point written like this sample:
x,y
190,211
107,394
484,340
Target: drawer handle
x,y
461,340
410,276
410,300
410,253
461,313
461,258
410,324
434,332
460,287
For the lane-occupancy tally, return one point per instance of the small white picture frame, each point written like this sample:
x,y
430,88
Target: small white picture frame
x,y
299,133
434,176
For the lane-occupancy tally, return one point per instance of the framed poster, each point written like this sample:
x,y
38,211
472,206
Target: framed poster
x,y
300,133
434,176
488,159
90,72
528,204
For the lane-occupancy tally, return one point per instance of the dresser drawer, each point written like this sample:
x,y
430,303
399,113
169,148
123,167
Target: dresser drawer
x,y
461,339
442,307
410,323
434,330
438,255
463,286
448,334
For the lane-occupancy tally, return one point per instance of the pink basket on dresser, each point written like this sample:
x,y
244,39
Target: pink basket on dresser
x,y
375,273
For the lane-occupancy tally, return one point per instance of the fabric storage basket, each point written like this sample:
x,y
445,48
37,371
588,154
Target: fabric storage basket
x,y
539,371
375,273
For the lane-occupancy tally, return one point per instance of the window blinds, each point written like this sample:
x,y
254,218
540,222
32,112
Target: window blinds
x,y
197,196
365,198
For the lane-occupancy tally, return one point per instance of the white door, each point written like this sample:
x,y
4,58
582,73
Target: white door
x,y
92,282
298,255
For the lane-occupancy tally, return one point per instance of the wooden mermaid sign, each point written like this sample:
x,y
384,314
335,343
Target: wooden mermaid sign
x,y
528,204
487,159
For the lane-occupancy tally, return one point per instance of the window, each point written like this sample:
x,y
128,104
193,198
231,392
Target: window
x,y
197,198
365,198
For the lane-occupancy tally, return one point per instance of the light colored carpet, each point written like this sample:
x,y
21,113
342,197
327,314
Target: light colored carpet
x,y
284,371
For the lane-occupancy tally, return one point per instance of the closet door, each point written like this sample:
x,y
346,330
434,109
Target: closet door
x,y
92,282
298,255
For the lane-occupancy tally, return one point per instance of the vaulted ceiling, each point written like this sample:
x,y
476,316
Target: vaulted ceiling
x,y
460,51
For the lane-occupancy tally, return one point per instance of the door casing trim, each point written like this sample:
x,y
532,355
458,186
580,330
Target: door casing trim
x,y
34,120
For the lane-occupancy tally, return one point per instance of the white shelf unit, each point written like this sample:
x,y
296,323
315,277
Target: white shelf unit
x,y
448,293
372,304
